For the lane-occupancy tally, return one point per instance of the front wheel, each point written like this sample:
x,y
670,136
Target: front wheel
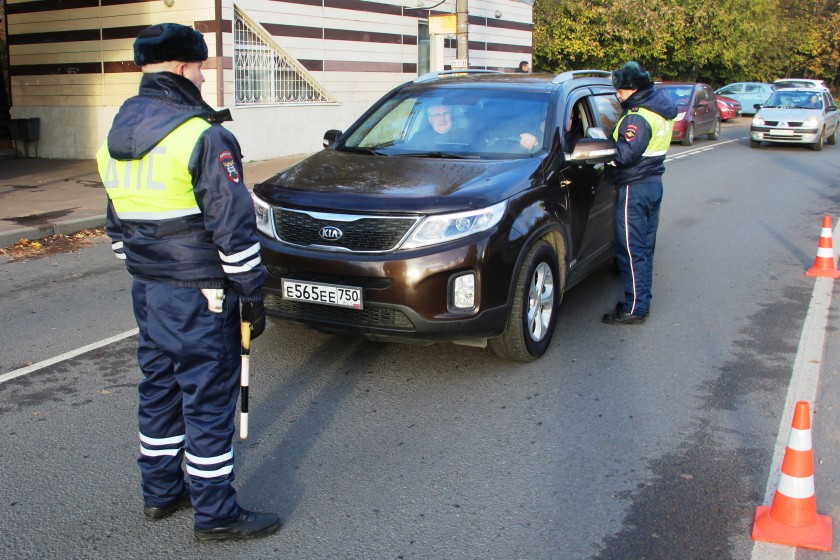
x,y
818,145
715,133
832,140
755,143
533,312
689,136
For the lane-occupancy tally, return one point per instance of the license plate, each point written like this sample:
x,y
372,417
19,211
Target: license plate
x,y
326,294
781,132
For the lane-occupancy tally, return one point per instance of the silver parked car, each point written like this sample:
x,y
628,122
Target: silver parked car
x,y
748,94
797,116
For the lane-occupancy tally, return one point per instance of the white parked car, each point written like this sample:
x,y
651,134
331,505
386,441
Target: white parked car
x,y
797,116
800,83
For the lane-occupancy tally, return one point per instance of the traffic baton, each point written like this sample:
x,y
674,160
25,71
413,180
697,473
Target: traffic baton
x,y
246,371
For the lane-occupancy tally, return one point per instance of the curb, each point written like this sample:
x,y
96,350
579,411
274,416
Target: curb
x,y
66,227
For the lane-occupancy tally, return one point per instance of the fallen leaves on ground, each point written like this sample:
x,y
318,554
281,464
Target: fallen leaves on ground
x,y
54,244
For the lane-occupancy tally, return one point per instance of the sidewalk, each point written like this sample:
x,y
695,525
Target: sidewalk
x,y
42,197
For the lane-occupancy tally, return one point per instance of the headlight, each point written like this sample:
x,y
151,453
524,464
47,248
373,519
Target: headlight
x,y
758,121
811,122
440,229
263,213
680,116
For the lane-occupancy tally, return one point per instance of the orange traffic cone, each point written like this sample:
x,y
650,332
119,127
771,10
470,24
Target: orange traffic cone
x,y
824,265
793,519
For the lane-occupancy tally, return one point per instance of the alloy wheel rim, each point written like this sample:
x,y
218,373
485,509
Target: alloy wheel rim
x,y
540,302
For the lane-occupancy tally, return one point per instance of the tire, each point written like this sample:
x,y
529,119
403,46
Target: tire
x,y
533,312
715,133
832,140
755,143
689,136
818,145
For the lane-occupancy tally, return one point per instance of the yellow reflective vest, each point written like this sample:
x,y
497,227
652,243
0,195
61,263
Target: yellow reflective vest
x,y
157,186
661,131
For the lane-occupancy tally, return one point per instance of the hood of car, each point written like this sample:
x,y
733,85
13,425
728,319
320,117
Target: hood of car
x,y
340,181
787,114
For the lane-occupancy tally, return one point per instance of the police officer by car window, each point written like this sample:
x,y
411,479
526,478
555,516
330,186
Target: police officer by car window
x,y
642,136
181,217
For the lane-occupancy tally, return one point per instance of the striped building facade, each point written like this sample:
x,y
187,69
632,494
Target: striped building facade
x,y
288,69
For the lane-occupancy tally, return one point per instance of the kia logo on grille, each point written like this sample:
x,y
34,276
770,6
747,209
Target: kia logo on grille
x,y
330,233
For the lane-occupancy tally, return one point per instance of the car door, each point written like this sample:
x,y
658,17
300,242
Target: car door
x,y
591,194
832,115
735,91
755,94
702,112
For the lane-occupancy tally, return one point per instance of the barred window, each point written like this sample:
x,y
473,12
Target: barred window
x,y
264,73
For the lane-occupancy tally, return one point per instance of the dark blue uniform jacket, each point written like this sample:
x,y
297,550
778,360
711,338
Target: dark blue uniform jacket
x,y
188,251
631,167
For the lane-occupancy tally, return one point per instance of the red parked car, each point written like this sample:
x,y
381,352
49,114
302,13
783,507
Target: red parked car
x,y
698,112
729,107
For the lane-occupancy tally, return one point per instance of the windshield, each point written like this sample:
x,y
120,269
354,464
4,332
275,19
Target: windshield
x,y
794,100
680,94
454,123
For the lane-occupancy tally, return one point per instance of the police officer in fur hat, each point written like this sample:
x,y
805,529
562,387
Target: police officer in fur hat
x,y
642,136
181,217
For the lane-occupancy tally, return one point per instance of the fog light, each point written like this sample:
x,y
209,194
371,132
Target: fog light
x,y
463,291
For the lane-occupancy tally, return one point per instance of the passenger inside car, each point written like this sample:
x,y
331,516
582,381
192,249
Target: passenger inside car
x,y
575,129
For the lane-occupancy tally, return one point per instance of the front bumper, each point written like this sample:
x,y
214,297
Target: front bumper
x,y
407,295
786,135
727,114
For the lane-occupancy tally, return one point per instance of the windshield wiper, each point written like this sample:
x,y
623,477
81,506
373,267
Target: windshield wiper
x,y
448,155
358,150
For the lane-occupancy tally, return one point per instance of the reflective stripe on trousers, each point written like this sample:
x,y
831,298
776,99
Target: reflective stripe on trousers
x,y
190,362
636,221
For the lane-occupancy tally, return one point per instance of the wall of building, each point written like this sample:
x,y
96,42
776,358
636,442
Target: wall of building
x,y
72,66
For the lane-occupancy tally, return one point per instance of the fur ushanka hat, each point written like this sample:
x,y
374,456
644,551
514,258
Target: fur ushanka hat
x,y
165,42
630,76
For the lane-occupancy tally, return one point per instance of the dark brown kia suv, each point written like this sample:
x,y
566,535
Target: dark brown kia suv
x,y
459,208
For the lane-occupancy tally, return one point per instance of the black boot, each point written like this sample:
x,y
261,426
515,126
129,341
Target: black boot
x,y
249,525
159,512
621,317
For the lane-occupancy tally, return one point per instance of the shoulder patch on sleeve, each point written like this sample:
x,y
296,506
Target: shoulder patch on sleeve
x,y
229,166
630,132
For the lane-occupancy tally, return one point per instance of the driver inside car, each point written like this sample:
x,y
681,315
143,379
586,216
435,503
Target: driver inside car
x,y
442,128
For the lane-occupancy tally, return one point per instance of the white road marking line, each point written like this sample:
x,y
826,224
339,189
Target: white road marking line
x,y
803,387
66,356
701,149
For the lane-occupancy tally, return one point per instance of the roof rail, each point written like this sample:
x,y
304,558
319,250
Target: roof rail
x,y
430,76
572,74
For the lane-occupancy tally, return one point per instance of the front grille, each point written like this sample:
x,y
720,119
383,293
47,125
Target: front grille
x,y
362,234
323,278
312,312
790,124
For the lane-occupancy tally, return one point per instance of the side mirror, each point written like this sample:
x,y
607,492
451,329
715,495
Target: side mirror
x,y
757,106
330,137
596,132
702,103
592,150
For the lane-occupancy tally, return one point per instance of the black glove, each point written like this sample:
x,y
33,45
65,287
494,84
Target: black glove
x,y
254,313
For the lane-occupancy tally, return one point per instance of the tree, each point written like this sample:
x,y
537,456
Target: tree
x,y
716,41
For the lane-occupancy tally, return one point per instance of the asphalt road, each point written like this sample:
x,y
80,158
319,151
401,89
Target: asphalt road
x,y
651,442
